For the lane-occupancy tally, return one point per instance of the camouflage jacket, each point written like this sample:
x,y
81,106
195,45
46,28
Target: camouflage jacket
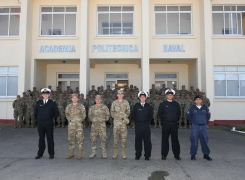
x,y
155,105
75,113
61,104
18,105
120,110
83,102
206,102
181,103
188,104
30,105
98,114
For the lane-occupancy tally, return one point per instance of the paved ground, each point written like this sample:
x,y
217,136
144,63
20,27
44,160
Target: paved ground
x,y
18,148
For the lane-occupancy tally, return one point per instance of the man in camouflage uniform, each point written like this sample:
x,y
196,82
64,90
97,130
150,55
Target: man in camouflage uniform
x,y
52,98
75,114
29,106
91,102
133,102
205,100
120,111
181,104
61,104
111,118
84,102
18,107
188,104
155,105
183,91
98,114
24,99
153,89
162,90
192,91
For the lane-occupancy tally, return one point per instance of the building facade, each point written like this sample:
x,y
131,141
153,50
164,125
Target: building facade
x,y
81,43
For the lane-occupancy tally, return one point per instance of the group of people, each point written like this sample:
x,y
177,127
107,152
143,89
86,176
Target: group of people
x,y
24,106
169,111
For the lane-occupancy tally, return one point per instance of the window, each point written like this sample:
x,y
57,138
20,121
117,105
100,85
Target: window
x,y
173,20
229,81
120,79
9,21
115,21
228,20
58,21
169,79
8,81
64,80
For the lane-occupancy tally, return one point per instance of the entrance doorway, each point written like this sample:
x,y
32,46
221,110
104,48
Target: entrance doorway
x,y
121,79
169,79
64,80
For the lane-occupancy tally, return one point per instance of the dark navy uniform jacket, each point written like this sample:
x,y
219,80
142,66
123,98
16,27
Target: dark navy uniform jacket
x,y
142,114
198,116
46,112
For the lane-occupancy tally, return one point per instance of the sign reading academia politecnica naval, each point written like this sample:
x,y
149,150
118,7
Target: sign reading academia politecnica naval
x,y
115,48
58,48
173,48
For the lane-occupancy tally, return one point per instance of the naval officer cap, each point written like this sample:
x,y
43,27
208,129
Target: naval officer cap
x,y
45,91
170,91
197,97
143,93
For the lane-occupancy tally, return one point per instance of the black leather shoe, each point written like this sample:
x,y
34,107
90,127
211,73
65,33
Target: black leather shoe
x,y
207,157
147,159
51,157
163,158
137,158
177,158
193,157
38,157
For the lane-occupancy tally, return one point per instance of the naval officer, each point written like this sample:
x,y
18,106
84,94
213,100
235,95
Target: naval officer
x,y
169,111
142,114
45,110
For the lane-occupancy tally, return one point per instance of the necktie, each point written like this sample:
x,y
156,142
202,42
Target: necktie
x,y
142,105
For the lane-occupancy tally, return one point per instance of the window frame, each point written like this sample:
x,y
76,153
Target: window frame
x,y
114,12
228,12
239,73
172,12
115,79
52,13
9,74
167,79
9,14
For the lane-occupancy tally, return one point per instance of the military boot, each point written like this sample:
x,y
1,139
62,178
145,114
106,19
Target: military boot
x,y
32,125
190,126
132,125
93,154
180,126
184,126
20,124
124,156
15,124
155,125
160,126
115,153
58,125
104,155
80,154
63,124
70,155
27,125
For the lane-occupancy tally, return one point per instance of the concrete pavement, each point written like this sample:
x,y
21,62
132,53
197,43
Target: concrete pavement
x,y
18,147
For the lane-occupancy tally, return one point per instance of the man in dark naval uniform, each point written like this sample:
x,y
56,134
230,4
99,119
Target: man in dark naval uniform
x,y
142,114
199,116
169,112
45,111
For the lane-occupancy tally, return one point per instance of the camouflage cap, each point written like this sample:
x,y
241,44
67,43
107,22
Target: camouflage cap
x,y
98,97
74,95
120,92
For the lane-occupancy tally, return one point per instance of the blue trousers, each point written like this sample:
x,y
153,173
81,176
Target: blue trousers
x,y
199,132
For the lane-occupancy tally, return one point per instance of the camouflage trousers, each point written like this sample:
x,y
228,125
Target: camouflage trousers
x,y
184,115
156,119
98,130
18,115
61,117
120,129
75,132
30,116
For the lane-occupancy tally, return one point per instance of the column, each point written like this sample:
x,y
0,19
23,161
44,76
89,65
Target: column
x,y
207,59
25,46
84,59
145,66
